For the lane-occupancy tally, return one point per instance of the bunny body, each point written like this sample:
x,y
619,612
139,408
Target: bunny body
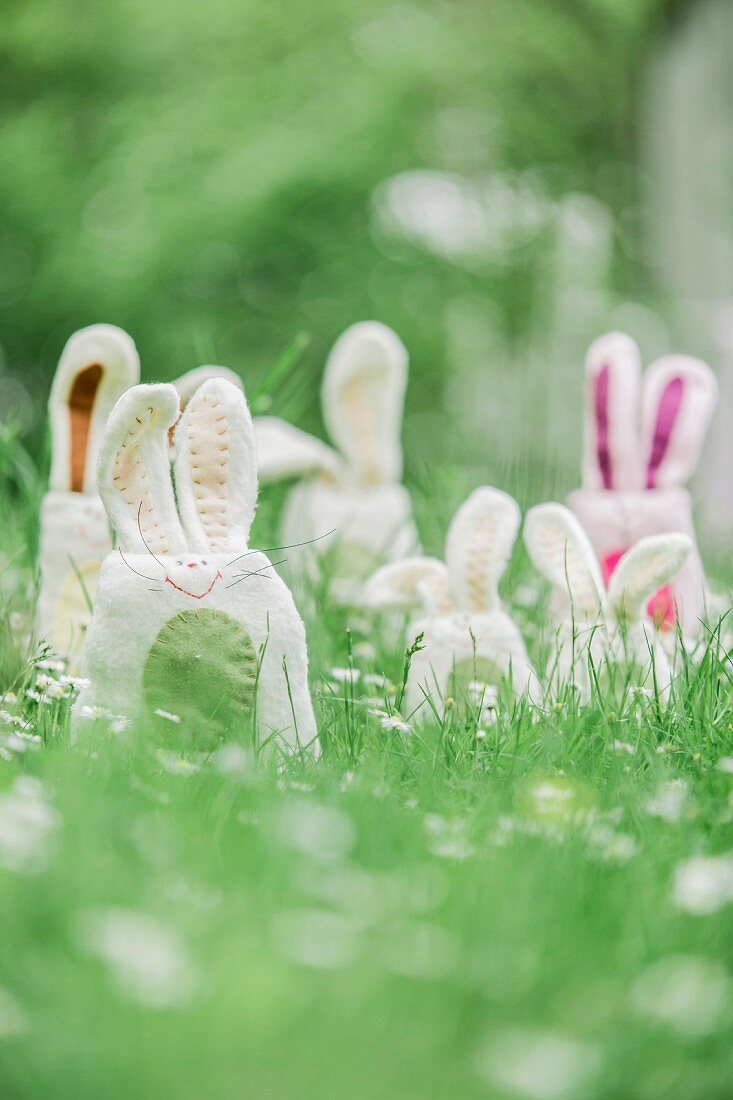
x,y
642,442
97,365
188,621
467,635
603,633
349,500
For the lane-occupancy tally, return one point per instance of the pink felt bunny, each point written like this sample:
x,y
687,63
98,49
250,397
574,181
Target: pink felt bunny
x,y
643,437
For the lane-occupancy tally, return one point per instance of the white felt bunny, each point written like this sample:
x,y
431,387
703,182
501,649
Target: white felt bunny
x,y
354,495
600,630
97,365
468,636
188,621
642,443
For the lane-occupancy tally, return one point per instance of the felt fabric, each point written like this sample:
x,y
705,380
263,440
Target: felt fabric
x,y
138,596
615,521
482,643
97,364
643,437
460,612
74,540
209,629
355,529
599,631
354,494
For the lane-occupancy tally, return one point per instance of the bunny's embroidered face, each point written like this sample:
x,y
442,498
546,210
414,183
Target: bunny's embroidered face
x,y
352,492
467,633
188,621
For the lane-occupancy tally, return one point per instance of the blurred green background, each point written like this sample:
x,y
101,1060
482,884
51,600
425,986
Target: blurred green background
x,y
219,178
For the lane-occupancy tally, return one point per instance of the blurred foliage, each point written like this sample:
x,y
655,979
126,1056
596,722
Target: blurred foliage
x,y
203,175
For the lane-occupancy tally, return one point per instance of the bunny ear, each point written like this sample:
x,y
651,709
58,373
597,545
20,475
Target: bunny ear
x,y
643,570
613,371
134,472
478,547
96,366
216,468
413,582
679,398
561,551
284,451
189,382
363,397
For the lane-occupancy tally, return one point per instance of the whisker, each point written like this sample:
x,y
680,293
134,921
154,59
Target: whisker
x,y
145,542
272,549
256,573
144,577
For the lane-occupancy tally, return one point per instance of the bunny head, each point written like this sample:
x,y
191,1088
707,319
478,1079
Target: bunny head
x,y
468,636
643,438
353,492
97,365
603,633
188,620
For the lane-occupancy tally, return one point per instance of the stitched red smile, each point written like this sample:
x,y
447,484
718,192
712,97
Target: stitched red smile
x,y
194,595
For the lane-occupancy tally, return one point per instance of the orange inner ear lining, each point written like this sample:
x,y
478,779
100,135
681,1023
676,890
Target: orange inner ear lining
x,y
81,403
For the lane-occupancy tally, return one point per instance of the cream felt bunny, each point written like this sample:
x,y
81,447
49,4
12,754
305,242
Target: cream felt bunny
x,y
97,365
604,631
468,636
188,621
642,442
353,496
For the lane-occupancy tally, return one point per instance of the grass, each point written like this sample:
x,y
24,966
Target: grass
x,y
539,912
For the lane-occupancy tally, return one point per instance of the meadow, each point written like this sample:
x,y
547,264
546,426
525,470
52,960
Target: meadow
x,y
505,901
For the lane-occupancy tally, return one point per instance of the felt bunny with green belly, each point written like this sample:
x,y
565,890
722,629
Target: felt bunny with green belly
x,y
189,622
97,365
468,637
606,638
642,442
349,504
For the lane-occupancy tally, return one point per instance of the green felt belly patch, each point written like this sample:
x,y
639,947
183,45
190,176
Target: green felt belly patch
x,y
202,668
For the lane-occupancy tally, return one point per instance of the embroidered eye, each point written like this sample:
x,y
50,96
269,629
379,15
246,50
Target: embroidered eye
x,y
204,562
179,563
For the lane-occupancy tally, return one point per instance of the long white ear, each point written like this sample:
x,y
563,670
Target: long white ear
x,y
216,468
134,472
96,366
679,399
611,457
561,551
284,452
363,398
410,583
643,570
189,382
478,547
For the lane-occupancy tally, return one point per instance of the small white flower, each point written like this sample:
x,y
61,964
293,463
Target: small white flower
x,y
27,824
539,1065
624,746
393,723
703,884
669,801
345,675
480,735
166,714
147,959
325,834
51,665
725,764
365,651
76,683
686,993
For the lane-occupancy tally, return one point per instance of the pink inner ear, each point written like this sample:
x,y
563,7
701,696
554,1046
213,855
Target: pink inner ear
x,y
600,405
661,607
669,407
